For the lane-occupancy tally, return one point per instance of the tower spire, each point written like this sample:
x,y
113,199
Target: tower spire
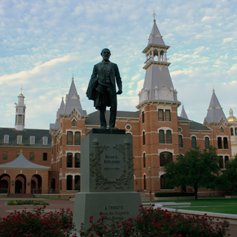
x,y
215,113
183,113
73,101
20,112
158,86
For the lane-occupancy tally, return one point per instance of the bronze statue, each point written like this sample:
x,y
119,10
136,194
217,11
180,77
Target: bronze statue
x,y
102,88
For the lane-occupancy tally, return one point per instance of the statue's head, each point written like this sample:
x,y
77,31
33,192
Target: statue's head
x,y
105,53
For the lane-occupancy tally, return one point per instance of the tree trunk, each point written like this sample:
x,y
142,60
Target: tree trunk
x,y
196,192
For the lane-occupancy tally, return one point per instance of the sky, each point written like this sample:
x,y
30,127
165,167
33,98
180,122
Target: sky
x,y
44,43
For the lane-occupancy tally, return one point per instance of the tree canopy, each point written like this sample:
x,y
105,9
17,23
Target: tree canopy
x,y
196,168
228,179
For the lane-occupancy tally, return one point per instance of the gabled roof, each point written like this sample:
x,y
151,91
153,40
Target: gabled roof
x,y
193,125
215,113
198,126
22,163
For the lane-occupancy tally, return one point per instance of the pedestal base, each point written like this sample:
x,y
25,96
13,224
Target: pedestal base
x,y
116,206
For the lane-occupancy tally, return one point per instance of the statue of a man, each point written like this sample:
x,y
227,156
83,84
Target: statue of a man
x,y
102,88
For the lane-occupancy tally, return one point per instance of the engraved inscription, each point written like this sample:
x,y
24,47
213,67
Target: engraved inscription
x,y
115,212
111,166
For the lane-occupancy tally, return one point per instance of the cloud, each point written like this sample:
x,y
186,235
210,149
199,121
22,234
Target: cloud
x,y
228,40
233,70
21,77
181,72
35,33
207,19
136,77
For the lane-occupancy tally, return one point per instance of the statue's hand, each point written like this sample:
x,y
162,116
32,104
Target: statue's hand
x,y
119,92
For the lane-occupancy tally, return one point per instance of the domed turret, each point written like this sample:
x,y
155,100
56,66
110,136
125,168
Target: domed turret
x,y
231,117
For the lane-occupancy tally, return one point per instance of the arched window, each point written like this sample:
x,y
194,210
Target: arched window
x,y
144,159
231,131
69,137
167,115
226,160
144,182
69,160
4,183
207,142
165,158
69,182
225,142
36,184
181,144
77,138
160,115
20,184
161,136
77,160
194,142
143,138
161,55
219,143
221,165
168,136
77,181
143,117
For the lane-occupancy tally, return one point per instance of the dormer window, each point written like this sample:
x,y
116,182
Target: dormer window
x,y
6,139
45,140
19,139
32,140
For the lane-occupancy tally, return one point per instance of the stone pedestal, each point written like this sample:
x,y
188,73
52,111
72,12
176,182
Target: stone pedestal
x,y
106,178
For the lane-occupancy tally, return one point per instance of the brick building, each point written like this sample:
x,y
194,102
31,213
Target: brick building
x,y
159,134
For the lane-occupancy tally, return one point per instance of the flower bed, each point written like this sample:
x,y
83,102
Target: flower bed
x,y
37,223
150,222
157,223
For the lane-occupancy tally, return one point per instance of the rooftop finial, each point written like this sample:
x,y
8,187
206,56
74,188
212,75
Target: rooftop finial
x,y
21,90
154,15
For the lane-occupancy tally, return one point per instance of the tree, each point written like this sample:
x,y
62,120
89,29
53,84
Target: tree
x,y
196,169
228,179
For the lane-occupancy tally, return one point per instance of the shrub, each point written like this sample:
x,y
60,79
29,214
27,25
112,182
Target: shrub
x,y
37,223
174,194
27,202
160,223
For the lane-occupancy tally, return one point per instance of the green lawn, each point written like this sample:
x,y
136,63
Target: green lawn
x,y
228,206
